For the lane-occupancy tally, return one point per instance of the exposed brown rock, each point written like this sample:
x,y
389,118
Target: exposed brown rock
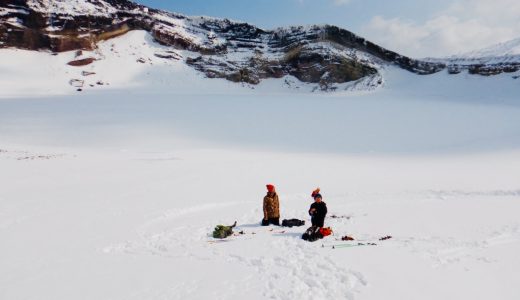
x,y
323,55
81,62
114,31
69,42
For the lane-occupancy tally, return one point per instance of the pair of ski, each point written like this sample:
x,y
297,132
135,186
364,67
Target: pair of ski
x,y
355,244
339,246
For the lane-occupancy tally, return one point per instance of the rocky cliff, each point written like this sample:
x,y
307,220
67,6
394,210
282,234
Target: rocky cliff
x,y
325,55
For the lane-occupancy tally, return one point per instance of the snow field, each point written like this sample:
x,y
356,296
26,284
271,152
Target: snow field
x,y
136,225
112,192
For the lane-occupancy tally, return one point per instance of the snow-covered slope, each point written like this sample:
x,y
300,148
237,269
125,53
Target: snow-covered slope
x,y
325,56
239,52
113,194
136,61
497,59
510,48
507,51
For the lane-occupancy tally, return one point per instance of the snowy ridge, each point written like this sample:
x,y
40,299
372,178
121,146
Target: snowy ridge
x,y
503,57
73,7
509,49
326,56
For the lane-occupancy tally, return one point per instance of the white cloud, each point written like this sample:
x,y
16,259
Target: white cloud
x,y
464,26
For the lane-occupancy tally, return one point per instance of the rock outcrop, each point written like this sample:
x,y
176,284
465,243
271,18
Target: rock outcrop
x,y
324,55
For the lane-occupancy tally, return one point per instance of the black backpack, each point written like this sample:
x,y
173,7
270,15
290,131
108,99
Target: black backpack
x,y
312,234
293,222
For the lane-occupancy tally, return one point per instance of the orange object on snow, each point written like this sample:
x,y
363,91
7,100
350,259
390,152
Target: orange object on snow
x,y
326,231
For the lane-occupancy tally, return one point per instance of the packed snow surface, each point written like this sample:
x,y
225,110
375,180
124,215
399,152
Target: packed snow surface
x,y
112,192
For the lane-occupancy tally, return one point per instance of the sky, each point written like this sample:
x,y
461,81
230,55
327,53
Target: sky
x,y
425,28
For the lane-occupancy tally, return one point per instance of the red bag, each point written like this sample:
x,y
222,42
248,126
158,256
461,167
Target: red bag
x,y
325,231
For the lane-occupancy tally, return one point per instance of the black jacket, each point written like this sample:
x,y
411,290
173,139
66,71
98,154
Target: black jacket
x,y
320,212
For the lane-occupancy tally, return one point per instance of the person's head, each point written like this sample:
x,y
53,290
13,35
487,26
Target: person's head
x,y
317,198
270,188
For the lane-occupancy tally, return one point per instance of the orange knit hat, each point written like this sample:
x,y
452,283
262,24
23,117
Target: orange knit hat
x,y
315,192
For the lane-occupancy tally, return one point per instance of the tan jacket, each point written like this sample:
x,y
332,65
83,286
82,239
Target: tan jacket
x,y
271,206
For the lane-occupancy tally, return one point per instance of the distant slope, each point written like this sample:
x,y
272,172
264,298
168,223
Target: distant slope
x,y
509,49
497,59
325,56
322,55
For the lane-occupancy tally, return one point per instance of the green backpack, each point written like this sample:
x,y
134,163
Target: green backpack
x,y
222,231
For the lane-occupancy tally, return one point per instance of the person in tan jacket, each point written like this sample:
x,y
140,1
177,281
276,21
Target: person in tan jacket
x,y
271,207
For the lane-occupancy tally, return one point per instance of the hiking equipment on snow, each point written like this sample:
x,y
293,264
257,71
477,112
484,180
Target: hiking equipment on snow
x,y
338,246
222,231
325,231
347,238
292,222
340,217
274,221
312,234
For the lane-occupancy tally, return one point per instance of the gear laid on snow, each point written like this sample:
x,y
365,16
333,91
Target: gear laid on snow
x,y
350,245
292,222
347,238
222,231
273,221
312,234
340,217
325,231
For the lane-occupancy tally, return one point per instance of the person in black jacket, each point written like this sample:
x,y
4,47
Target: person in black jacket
x,y
318,210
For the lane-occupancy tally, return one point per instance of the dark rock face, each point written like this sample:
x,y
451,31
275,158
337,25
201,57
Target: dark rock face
x,y
240,52
494,69
485,66
51,29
